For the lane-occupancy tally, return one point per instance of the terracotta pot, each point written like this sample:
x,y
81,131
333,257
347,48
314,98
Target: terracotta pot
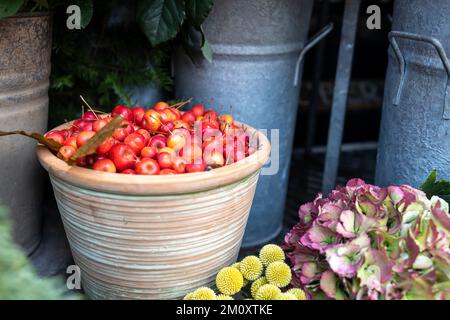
x,y
153,237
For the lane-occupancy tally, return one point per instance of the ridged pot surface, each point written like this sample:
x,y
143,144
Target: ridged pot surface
x,y
25,49
256,45
141,237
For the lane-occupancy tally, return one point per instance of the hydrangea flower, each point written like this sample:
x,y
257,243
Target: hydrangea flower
x,y
367,242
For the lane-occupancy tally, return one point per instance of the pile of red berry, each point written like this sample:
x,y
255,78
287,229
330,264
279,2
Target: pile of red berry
x,y
162,140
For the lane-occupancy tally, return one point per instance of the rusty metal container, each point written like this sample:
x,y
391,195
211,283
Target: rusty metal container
x,y
153,237
25,49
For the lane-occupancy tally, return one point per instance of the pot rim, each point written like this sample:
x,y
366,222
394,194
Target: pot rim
x,y
157,184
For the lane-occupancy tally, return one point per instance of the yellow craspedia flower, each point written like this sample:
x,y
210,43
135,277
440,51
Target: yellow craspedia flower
x,y
267,292
271,253
236,265
256,285
278,273
299,293
229,281
251,267
285,296
224,297
189,296
203,293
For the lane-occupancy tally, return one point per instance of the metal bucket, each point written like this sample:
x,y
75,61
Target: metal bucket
x,y
25,49
415,126
256,45
153,237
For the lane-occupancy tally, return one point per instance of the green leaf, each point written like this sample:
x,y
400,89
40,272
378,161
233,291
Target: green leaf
x,y
86,9
160,20
434,187
9,8
206,48
91,145
197,11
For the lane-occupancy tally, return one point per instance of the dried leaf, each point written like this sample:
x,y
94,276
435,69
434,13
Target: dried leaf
x,y
49,143
92,144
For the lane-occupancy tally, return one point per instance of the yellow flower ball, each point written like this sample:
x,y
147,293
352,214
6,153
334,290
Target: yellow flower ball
x,y
271,253
203,293
224,297
267,292
251,267
285,296
229,281
189,296
299,293
236,265
256,285
278,273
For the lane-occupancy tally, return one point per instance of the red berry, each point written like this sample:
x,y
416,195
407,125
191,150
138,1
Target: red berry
x,y
71,141
181,124
123,111
214,158
81,162
84,136
193,167
138,115
167,127
89,116
56,136
167,172
105,165
145,134
136,141
158,142
122,156
177,113
179,165
65,152
164,160
99,124
176,141
167,115
161,105
152,120
192,153
123,132
147,166
81,125
188,116
198,110
106,146
148,152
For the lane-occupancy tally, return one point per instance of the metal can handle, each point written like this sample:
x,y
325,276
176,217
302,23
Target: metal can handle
x,y
402,63
311,43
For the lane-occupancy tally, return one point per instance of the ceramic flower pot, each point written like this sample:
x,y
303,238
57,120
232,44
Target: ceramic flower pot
x,y
25,49
153,237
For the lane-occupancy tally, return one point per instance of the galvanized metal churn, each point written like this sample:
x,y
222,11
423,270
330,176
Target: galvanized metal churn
x,y
415,126
256,46
25,48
